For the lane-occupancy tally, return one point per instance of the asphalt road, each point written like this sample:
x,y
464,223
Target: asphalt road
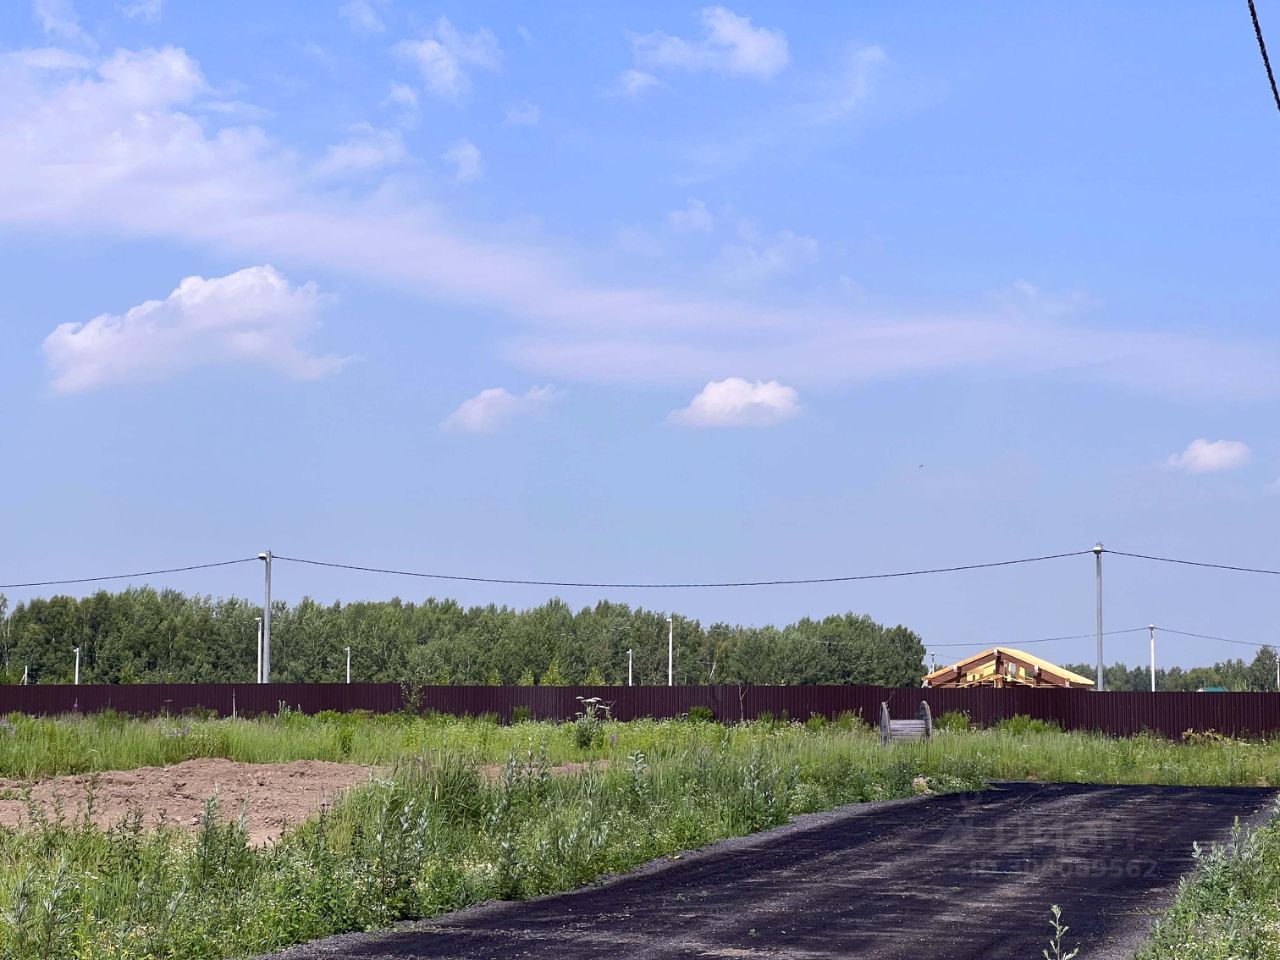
x,y
944,878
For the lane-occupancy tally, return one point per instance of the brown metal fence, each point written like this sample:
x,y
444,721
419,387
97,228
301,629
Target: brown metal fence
x,y
1119,714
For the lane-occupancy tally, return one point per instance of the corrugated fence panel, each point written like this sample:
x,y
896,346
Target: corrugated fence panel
x,y
1119,714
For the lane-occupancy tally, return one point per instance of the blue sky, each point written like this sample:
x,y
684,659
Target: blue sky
x,y
650,292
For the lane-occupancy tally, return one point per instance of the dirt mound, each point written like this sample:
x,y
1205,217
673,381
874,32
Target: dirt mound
x,y
272,795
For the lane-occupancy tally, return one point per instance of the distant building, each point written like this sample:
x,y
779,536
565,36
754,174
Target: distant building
x,y
1006,667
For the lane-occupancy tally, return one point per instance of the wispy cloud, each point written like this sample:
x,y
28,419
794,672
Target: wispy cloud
x,y
367,149
633,83
58,18
524,114
363,16
1211,456
490,410
467,162
729,44
252,316
735,402
443,56
119,145
148,10
849,87
693,217
753,261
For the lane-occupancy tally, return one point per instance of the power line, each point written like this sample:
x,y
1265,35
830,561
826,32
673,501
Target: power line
x,y
126,576
1023,643
682,586
1194,563
1262,46
1205,636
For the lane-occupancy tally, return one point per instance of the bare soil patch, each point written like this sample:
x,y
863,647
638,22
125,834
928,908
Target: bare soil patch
x,y
273,796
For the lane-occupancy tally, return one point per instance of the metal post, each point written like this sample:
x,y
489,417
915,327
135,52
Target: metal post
x,y
1152,628
348,664
671,647
25,669
77,680
1101,683
629,668
257,677
266,618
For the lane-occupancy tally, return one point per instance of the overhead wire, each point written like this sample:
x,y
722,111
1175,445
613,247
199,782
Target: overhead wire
x,y
1262,46
1205,636
125,576
1193,563
682,586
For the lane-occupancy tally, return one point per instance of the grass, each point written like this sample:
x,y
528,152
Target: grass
x,y
432,833
33,748
1230,907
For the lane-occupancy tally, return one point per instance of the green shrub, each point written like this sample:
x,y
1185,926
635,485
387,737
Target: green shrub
x,y
1020,724
816,722
953,720
701,714
849,720
521,713
588,728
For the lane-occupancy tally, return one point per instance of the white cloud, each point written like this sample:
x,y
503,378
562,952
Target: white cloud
x,y
753,262
443,55
149,10
1208,456
851,87
251,316
491,409
465,157
632,83
368,148
730,44
694,217
404,99
363,16
121,146
58,19
735,402
524,114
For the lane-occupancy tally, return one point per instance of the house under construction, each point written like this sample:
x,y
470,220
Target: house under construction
x,y
1006,667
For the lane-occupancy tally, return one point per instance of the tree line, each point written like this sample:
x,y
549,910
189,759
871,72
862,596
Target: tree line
x,y
142,635
1258,675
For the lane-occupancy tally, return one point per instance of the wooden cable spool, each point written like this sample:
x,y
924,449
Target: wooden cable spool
x,y
894,730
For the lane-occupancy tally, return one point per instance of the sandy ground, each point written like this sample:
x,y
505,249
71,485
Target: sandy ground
x,y
959,877
272,795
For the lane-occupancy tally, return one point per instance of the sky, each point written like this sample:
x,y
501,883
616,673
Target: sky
x,y
651,292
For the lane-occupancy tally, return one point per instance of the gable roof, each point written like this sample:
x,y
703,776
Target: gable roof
x,y
990,654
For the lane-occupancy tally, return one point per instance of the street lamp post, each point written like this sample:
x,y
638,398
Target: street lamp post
x,y
266,617
671,652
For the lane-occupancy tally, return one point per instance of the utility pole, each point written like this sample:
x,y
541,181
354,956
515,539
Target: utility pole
x,y
258,676
1101,683
266,618
77,680
348,664
25,669
671,652
629,668
1152,628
